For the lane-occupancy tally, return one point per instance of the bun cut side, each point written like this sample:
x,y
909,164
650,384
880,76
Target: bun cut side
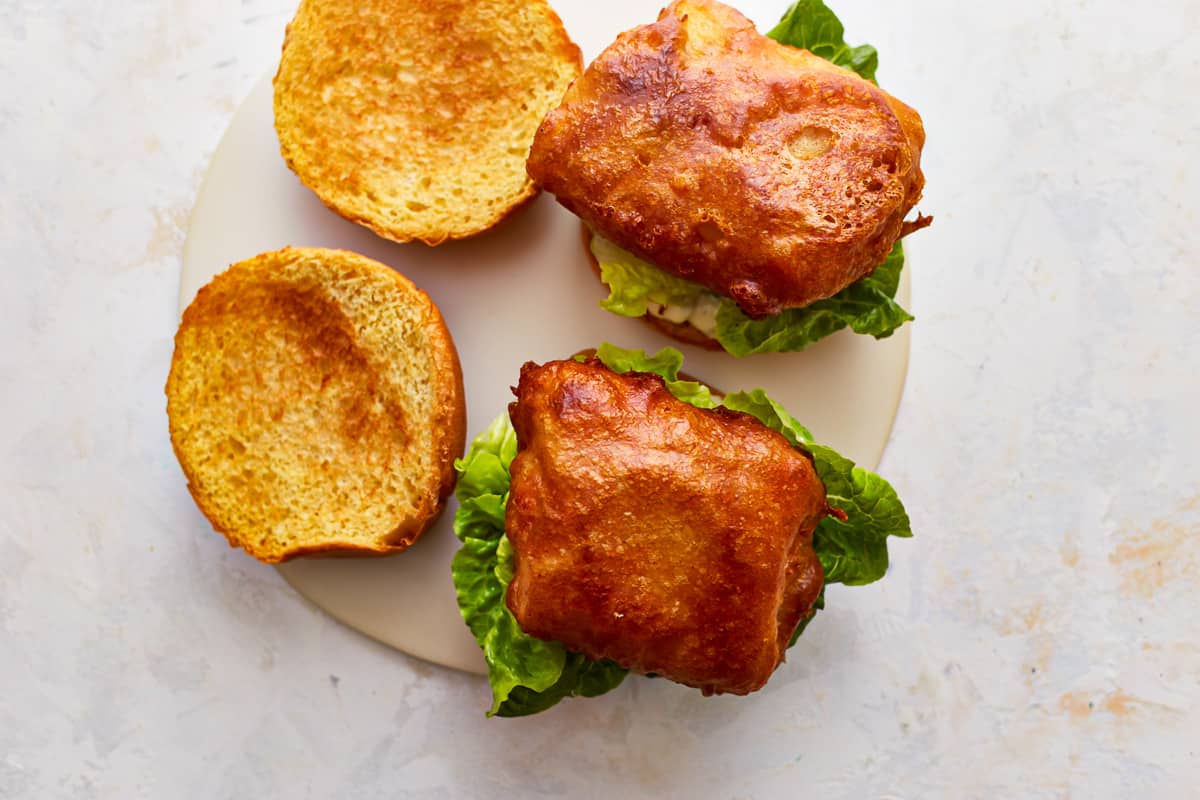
x,y
315,402
414,117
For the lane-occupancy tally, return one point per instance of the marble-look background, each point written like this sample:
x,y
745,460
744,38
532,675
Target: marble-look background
x,y
1039,638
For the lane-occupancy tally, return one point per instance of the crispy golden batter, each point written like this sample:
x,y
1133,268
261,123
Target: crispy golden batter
x,y
759,170
671,539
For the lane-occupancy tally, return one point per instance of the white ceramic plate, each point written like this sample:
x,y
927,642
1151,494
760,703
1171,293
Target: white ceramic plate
x,y
521,292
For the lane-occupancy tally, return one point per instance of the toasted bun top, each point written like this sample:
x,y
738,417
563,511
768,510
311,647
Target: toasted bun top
x,y
316,405
760,170
414,117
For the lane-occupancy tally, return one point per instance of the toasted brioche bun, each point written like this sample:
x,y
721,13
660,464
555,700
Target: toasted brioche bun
x,y
679,331
316,405
414,117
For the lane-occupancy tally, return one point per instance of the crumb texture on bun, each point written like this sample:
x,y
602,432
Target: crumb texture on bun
x,y
414,117
761,171
315,402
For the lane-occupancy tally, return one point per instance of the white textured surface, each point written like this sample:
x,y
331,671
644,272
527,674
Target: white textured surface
x,y
1039,637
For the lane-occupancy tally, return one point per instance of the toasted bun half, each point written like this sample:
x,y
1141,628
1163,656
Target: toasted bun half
x,y
315,403
679,331
414,117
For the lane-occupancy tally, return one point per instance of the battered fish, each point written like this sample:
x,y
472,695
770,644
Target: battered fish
x,y
759,170
671,539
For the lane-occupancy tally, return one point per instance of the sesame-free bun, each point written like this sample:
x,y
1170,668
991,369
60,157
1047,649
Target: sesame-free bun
x,y
315,403
414,117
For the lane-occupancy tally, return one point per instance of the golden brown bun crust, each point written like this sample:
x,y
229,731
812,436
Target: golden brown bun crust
x,y
671,539
414,117
316,405
679,331
759,170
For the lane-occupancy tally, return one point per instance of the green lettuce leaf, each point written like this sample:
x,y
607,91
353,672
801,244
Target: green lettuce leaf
x,y
526,674
810,25
866,307
852,551
529,675
771,414
635,285
665,364
580,677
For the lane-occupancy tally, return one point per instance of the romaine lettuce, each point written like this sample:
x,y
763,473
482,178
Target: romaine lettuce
x,y
810,25
527,674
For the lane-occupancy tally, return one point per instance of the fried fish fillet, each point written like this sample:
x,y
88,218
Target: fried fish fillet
x,y
671,539
759,170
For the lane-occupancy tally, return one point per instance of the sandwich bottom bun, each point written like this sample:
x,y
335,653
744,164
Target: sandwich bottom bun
x,y
315,402
679,331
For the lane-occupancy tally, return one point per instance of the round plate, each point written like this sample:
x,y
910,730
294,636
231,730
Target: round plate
x,y
522,292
